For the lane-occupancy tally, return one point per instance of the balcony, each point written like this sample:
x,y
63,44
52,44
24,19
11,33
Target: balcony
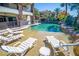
x,y
14,11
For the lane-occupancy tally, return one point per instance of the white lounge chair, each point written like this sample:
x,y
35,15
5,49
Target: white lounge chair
x,y
6,40
55,43
13,32
3,32
21,49
9,35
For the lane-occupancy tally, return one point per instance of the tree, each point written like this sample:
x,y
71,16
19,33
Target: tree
x,y
75,6
63,16
46,14
32,7
57,10
32,10
66,6
36,13
20,9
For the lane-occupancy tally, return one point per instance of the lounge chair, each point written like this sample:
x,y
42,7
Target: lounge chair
x,y
9,35
55,43
3,32
21,49
13,32
6,40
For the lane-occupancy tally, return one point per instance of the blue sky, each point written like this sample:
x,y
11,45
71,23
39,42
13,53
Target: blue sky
x,y
52,6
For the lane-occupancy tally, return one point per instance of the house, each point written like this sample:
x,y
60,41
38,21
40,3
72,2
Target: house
x,y
9,13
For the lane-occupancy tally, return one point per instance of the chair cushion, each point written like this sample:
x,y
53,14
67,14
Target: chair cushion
x,y
53,41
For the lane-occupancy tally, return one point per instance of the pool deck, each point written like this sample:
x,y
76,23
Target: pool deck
x,y
40,36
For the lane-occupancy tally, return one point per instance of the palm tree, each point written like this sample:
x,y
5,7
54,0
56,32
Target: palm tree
x,y
75,6
36,12
20,9
32,10
66,6
32,7
57,10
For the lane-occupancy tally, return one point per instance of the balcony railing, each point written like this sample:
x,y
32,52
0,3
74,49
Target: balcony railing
x,y
14,11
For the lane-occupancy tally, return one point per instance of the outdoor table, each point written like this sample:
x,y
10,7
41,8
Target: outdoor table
x,y
44,51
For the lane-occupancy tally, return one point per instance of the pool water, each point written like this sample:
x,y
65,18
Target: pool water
x,y
47,27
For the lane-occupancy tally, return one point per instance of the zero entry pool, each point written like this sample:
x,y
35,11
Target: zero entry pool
x,y
47,27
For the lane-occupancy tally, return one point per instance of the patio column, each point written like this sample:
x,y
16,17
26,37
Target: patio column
x,y
29,19
7,21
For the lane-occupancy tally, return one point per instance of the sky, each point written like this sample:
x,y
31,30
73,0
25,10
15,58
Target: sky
x,y
52,6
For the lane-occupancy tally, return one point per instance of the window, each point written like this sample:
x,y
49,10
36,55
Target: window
x,y
2,19
4,4
12,18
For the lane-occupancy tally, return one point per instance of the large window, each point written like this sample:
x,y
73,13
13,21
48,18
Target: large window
x,y
11,18
1,4
12,21
2,19
4,4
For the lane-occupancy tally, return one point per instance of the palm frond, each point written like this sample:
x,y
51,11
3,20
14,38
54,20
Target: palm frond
x,y
74,6
62,4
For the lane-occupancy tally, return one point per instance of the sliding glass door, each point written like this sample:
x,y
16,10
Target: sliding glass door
x,y
12,22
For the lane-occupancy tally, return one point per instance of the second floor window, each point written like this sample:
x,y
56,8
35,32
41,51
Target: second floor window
x,y
4,4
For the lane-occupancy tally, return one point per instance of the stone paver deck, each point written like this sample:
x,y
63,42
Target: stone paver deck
x,y
39,43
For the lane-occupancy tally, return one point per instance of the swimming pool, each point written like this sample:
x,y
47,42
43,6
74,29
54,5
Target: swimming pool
x,y
47,27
